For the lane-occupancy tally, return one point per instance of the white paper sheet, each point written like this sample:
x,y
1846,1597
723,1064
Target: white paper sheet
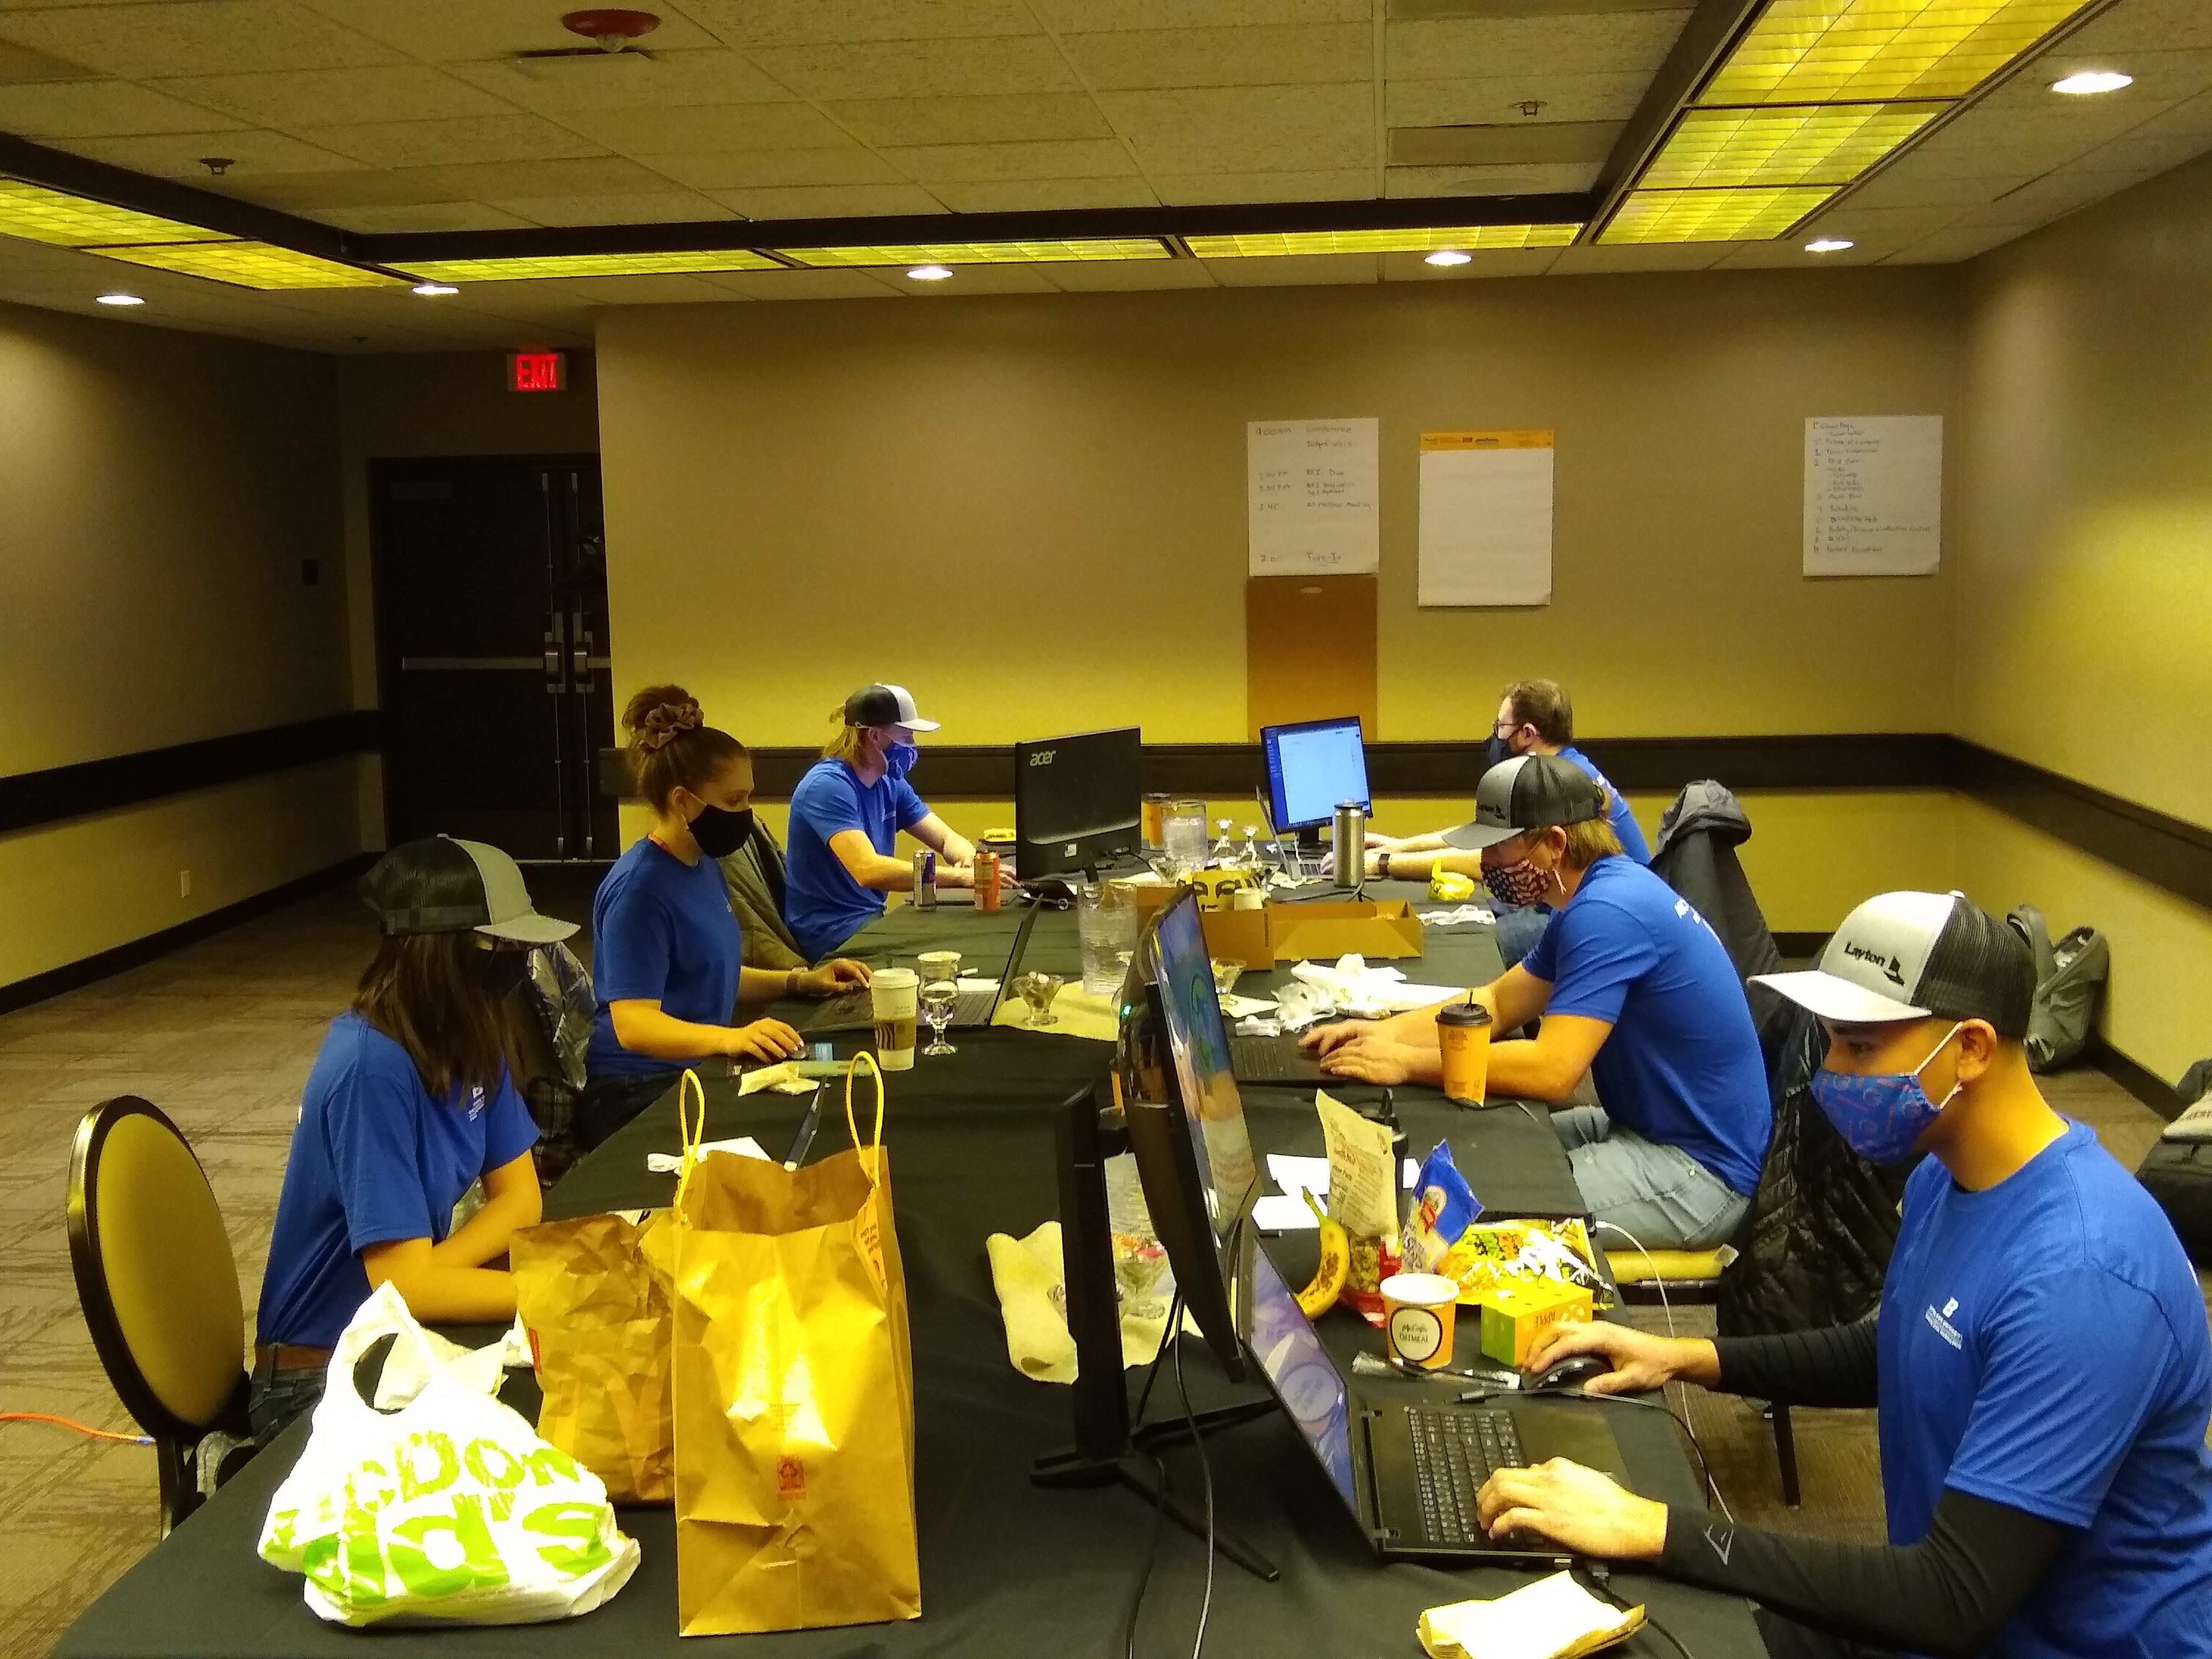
x,y
1310,497
1874,496
670,1162
1485,518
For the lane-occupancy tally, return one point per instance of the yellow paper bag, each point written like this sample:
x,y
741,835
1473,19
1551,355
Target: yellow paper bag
x,y
596,1295
793,1390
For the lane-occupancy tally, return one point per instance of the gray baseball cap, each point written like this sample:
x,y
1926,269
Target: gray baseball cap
x,y
1914,955
885,705
1529,792
442,885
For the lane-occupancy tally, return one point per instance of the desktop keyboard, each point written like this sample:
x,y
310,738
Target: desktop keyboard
x,y
1454,1452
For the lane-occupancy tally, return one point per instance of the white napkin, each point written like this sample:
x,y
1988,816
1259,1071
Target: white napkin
x,y
670,1162
784,1079
1547,1620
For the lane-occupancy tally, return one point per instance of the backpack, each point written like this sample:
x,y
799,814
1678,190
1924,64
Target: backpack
x,y
2068,978
2178,1171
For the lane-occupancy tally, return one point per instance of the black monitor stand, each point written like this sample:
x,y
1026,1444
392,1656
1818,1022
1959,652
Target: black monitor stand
x,y
1106,1450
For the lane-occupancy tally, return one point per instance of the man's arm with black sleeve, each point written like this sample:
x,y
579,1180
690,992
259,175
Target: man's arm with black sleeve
x,y
1835,1366
1951,1593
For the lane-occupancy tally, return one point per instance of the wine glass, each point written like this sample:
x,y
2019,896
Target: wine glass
x,y
937,999
1037,991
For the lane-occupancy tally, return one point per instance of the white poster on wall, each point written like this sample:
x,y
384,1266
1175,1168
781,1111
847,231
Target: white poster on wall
x,y
1874,495
1310,500
1485,518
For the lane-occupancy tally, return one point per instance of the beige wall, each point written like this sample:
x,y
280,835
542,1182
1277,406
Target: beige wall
x,y
1032,509
158,491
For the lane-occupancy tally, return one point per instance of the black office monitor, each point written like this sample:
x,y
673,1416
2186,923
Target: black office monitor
x,y
1078,801
1312,769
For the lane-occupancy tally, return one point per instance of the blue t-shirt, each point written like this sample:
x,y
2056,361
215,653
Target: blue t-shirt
x,y
374,1159
1624,821
1682,1066
2044,1346
822,902
662,930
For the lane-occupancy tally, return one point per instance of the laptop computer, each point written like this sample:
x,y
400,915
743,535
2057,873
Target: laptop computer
x,y
1274,1059
1406,1467
977,1007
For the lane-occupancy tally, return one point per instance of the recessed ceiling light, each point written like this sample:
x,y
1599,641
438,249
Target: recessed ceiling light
x,y
2093,81
1448,256
118,299
428,289
1828,245
928,273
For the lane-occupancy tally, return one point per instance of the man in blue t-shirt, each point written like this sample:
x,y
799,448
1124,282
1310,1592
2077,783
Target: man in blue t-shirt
x,y
1634,989
2040,1361
846,816
1534,717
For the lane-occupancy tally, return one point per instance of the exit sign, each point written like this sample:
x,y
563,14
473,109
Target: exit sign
x,y
537,371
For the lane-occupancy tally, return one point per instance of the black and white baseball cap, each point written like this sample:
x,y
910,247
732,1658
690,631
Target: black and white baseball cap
x,y
1529,792
885,705
1914,955
442,885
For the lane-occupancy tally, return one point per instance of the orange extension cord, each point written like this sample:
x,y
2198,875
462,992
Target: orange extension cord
x,y
81,1428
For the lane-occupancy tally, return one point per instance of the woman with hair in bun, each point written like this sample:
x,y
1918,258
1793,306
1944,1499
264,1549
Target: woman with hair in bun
x,y
667,962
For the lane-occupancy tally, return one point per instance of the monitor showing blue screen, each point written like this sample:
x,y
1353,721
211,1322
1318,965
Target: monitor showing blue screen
x,y
1312,767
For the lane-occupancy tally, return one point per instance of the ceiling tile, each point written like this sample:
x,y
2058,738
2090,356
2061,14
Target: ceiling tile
x,y
1298,55
1791,255
844,163
1504,143
801,284
1904,186
429,215
691,128
476,139
921,69
1485,262
1247,129
1009,120
1071,158
1071,16
310,192
656,290
1498,97
2146,26
558,86
99,109
603,175
829,201
1300,270
302,98
178,156
194,37
452,31
667,207
1488,181
19,64
1027,195
1859,221
1946,246
1205,189
811,22
1581,261
1614,43
1126,275
2052,196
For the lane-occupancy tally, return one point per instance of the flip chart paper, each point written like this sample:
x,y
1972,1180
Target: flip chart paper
x,y
1310,502
1485,518
1874,496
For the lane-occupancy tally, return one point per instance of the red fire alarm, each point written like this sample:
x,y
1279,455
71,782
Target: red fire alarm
x,y
537,371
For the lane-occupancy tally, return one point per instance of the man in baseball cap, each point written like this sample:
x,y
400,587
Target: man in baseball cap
x,y
885,705
1635,990
2040,1359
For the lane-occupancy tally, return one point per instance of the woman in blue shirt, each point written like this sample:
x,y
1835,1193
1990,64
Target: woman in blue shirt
x,y
667,957
410,1103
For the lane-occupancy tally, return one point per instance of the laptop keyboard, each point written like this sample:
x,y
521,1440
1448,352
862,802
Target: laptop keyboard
x,y
1271,1060
1454,1452
856,1009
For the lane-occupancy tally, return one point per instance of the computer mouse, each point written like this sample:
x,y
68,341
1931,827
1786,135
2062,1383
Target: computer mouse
x,y
1050,890
1568,1374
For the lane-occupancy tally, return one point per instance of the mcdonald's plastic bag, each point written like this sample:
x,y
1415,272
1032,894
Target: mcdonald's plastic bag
x,y
794,1390
449,1508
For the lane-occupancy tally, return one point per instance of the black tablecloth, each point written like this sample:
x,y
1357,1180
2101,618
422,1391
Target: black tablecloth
x,y
1006,1567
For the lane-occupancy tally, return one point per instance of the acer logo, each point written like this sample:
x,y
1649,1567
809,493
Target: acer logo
x,y
1042,756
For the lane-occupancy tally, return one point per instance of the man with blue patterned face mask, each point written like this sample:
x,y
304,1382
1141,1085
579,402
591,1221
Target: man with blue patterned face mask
x,y
846,816
2040,1360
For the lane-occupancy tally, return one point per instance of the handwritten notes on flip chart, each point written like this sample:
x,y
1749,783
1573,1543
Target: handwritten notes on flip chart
x,y
1485,518
1874,496
1311,503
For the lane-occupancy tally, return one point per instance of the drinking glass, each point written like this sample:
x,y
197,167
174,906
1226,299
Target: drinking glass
x,y
1185,832
1037,991
937,999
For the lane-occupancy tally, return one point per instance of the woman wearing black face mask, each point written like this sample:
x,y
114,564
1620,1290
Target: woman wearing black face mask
x,y
667,956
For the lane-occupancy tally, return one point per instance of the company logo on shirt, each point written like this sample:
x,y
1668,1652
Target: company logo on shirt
x,y
1684,908
1941,1322
477,1102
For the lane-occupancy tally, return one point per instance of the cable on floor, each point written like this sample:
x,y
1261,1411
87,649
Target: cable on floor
x,y
80,1428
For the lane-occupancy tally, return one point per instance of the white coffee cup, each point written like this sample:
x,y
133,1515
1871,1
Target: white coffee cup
x,y
894,997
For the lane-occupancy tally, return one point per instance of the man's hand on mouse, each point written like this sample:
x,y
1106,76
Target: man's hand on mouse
x,y
1580,1508
1639,1360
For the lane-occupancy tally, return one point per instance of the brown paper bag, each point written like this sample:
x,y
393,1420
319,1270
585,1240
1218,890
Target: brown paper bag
x,y
793,1390
596,1295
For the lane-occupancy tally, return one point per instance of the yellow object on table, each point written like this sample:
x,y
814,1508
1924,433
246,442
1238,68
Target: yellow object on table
x,y
1554,1618
1450,885
1076,1012
1513,1315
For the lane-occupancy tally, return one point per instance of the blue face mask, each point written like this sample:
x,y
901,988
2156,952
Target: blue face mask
x,y
901,757
1881,1117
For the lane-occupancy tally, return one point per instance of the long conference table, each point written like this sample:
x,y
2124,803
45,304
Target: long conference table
x,y
1007,1567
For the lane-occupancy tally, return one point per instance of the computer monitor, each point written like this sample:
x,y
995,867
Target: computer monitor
x,y
1078,801
1312,767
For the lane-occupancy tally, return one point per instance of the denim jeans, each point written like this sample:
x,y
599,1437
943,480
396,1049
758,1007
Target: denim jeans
x,y
1519,927
279,1397
1658,1194
608,1102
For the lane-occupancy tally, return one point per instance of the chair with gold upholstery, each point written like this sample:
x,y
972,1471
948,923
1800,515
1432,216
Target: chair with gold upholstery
x,y
159,1288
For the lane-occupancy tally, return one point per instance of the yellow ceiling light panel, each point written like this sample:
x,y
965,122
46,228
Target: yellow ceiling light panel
x,y
250,265
1825,51
1298,242
1712,215
38,214
590,264
1713,148
984,254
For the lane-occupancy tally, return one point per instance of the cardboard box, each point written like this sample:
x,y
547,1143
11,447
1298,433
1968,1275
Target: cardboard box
x,y
1379,930
1515,1314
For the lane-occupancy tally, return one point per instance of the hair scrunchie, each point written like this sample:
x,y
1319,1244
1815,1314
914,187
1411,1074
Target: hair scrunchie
x,y
664,724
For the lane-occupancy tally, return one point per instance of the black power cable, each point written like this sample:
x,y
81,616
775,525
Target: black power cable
x,y
1206,1471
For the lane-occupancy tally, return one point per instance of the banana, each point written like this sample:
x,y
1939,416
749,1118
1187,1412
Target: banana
x,y
1328,1283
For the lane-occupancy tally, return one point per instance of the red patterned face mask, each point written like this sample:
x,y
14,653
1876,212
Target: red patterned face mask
x,y
1520,883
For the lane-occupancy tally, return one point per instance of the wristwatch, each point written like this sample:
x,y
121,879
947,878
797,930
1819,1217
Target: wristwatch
x,y
1382,866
